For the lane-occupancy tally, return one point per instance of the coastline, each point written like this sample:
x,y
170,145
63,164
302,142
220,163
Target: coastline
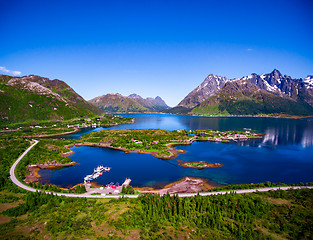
x,y
74,131
54,135
255,116
33,169
174,152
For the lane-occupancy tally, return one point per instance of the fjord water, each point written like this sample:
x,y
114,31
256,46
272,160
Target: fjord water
x,y
285,154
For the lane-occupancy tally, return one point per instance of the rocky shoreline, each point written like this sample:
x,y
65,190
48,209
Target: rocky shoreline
x,y
185,185
33,169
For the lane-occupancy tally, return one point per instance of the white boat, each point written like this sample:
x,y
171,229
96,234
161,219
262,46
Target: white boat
x,y
96,173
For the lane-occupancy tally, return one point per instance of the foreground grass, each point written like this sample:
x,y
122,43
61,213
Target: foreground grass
x,y
269,215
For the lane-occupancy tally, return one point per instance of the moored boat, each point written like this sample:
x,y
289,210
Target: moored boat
x,y
96,173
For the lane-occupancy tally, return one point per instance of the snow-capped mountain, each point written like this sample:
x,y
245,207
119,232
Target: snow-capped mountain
x,y
274,83
211,85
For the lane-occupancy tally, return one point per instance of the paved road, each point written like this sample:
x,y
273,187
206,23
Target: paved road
x,y
86,195
12,170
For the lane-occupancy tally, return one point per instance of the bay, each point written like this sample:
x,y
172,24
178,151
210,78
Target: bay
x,y
284,155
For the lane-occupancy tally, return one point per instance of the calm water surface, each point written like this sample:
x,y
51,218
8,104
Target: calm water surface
x,y
284,155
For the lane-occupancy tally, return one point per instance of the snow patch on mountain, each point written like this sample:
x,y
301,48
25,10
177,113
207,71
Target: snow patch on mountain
x,y
23,83
308,81
271,88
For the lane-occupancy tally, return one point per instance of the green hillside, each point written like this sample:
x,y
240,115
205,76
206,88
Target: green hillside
x,y
35,98
244,98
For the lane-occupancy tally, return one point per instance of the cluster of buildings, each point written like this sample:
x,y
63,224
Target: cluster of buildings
x,y
84,125
136,141
229,136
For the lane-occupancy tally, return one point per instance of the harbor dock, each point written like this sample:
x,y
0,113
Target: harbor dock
x,y
109,189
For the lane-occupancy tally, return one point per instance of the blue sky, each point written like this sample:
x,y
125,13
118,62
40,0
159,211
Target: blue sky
x,y
154,48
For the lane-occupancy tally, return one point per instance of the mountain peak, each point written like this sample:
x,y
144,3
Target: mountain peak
x,y
134,95
276,73
211,84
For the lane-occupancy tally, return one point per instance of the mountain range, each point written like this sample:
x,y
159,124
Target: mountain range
x,y
32,98
116,103
254,94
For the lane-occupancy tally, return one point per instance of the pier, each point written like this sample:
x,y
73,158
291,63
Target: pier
x,y
96,173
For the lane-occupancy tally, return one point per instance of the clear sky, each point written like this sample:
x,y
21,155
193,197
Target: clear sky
x,y
154,47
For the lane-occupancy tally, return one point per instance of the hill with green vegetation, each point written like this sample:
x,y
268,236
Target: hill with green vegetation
x,y
152,104
178,110
34,98
116,103
244,98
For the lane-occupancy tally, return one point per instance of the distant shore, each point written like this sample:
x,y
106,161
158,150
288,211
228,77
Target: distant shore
x,y
76,129
54,135
255,116
252,116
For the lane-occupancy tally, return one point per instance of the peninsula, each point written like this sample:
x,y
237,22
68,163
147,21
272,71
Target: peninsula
x,y
157,142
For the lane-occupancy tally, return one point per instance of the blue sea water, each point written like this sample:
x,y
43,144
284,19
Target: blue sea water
x,y
285,154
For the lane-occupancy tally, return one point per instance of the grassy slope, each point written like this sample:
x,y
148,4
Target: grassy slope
x,y
66,91
19,105
244,98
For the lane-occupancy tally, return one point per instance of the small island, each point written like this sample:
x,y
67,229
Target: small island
x,y
199,164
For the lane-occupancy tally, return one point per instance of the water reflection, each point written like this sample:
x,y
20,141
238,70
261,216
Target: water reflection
x,y
307,138
296,134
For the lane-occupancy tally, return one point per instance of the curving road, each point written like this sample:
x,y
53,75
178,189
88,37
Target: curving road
x,y
86,195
